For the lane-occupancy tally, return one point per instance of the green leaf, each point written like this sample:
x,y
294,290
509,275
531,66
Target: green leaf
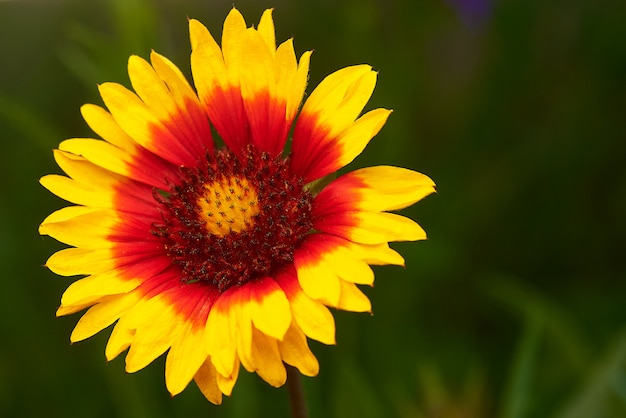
x,y
604,393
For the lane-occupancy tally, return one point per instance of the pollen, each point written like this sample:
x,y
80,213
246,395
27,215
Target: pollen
x,y
228,205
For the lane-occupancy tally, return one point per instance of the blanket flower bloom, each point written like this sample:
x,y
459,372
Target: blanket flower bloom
x,y
226,255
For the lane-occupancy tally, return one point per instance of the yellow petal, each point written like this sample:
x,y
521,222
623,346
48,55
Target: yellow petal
x,y
79,226
390,188
295,351
340,97
356,137
313,318
291,77
269,308
207,62
300,80
258,60
74,261
102,123
266,29
317,278
241,327
98,152
93,288
157,325
347,266
85,172
102,315
184,358
379,254
206,379
120,339
267,359
68,310
78,193
377,227
232,42
226,383
150,88
219,339
352,299
175,80
129,112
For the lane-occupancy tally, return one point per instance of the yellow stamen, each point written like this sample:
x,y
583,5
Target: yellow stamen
x,y
228,205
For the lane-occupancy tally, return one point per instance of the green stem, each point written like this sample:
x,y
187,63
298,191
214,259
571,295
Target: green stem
x,y
296,393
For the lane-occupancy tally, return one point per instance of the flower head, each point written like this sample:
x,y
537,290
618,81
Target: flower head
x,y
225,256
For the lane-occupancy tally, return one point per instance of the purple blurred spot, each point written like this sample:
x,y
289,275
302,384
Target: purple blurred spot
x,y
473,13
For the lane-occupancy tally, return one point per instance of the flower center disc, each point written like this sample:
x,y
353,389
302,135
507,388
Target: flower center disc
x,y
228,205
234,219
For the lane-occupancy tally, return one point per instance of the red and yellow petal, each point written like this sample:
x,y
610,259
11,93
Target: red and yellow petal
x,y
164,316
246,322
380,188
91,185
218,94
137,120
338,260
313,317
168,96
185,357
163,117
269,308
327,134
370,227
250,89
222,331
316,276
351,206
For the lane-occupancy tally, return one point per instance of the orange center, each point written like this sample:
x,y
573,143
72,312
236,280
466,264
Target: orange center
x,y
228,205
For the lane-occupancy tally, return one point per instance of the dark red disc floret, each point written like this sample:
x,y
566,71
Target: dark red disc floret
x,y
235,258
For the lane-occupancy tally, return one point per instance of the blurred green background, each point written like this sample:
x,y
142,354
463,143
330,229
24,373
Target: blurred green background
x,y
515,306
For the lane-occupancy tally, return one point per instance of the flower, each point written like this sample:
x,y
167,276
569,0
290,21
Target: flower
x,y
228,255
